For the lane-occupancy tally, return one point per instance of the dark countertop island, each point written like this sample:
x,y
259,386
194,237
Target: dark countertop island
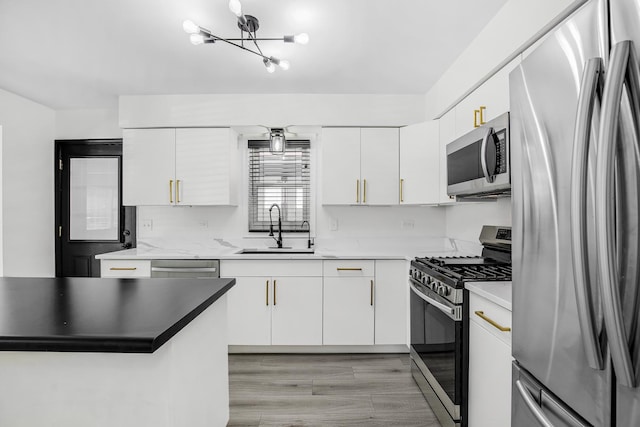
x,y
100,314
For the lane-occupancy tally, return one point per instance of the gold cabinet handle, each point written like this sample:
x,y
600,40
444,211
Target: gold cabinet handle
x,y
178,191
364,192
275,282
266,291
372,293
401,186
482,108
349,269
123,268
492,322
357,191
170,191
476,113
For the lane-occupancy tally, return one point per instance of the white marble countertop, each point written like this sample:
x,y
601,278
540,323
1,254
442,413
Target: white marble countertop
x,y
353,248
498,292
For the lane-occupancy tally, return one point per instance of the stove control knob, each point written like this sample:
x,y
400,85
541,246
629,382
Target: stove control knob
x,y
443,290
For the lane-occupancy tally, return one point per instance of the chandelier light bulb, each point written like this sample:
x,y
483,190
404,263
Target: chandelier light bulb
x,y
302,38
284,64
235,7
270,67
196,39
190,27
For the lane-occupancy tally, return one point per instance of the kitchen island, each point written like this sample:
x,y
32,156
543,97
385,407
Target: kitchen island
x,y
106,352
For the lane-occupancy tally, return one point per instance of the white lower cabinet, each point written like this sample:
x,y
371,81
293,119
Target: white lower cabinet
x,y
391,294
296,313
284,308
348,309
248,312
489,365
125,268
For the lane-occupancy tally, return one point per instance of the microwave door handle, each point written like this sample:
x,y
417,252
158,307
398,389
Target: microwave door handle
x,y
440,306
621,69
483,156
590,89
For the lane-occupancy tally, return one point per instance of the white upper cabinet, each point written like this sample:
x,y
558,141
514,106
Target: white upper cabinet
x,y
360,166
148,166
493,95
447,134
179,167
205,166
341,166
420,164
379,165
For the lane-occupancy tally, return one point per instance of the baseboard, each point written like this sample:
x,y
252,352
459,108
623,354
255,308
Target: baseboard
x,y
399,348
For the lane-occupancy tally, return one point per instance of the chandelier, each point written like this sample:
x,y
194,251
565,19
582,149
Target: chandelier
x,y
248,27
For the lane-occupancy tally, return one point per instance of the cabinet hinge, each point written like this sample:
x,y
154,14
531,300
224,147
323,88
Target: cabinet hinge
x,y
60,164
60,231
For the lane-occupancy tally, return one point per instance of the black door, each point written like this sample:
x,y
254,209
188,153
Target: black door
x,y
90,218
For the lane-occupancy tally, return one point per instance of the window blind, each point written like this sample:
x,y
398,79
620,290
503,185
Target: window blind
x,y
283,179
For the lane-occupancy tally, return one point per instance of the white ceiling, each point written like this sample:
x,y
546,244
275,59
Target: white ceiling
x,y
84,53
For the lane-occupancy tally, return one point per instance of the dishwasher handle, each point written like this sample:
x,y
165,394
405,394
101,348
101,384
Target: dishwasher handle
x,y
185,269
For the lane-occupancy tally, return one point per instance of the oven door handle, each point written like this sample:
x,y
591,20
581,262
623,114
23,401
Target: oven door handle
x,y
437,304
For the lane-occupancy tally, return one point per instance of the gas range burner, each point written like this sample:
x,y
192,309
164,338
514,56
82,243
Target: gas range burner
x,y
459,260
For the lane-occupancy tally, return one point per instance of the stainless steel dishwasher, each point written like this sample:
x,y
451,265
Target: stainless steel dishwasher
x,y
187,268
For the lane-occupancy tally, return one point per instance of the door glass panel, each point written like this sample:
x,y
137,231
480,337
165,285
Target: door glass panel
x,y
94,198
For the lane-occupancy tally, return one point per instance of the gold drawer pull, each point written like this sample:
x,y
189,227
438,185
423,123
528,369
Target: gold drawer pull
x,y
492,322
349,269
170,191
266,291
123,268
482,108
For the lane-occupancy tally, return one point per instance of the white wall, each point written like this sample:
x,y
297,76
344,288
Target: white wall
x,y
465,220
27,187
87,124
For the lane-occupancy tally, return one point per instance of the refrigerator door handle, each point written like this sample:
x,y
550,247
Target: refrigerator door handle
x,y
590,90
483,156
532,405
623,69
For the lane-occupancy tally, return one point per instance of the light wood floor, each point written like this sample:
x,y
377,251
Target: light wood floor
x,y
372,390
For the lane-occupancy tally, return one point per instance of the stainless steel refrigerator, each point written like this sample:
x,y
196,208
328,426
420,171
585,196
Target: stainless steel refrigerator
x,y
575,117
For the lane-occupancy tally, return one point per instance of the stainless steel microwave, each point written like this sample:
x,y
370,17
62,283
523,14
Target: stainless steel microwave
x,y
478,162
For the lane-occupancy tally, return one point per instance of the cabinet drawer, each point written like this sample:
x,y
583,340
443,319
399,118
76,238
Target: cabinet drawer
x,y
492,312
125,268
349,268
270,268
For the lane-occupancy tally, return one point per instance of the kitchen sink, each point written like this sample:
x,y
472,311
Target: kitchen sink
x,y
284,251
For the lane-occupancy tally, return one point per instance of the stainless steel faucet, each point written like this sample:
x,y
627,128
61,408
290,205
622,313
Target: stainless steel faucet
x,y
309,243
279,239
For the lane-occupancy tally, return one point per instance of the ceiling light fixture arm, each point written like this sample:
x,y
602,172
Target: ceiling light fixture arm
x,y
247,24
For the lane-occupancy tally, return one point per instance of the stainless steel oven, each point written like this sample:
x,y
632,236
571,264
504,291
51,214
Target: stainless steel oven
x,y
437,351
440,320
478,162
